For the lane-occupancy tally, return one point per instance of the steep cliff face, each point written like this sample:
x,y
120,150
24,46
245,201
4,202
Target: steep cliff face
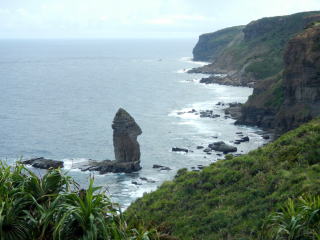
x,y
210,45
301,80
256,53
293,97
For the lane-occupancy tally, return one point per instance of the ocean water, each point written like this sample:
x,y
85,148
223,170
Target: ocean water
x,y
58,99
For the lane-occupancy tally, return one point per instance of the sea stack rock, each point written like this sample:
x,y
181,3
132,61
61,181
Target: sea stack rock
x,y
125,133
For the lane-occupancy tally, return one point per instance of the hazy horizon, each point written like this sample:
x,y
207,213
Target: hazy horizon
x,y
141,19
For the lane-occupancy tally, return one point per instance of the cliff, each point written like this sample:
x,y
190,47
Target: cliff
x,y
291,98
231,199
210,45
251,53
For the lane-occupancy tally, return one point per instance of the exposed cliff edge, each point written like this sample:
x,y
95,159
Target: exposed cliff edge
x,y
289,99
248,54
126,150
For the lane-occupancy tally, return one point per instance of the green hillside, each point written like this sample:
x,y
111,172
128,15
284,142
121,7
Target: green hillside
x,y
257,51
231,198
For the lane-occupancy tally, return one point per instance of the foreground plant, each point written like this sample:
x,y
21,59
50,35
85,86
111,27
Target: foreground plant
x,y
53,208
297,220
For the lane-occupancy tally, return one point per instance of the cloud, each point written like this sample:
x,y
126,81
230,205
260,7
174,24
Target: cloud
x,y
170,20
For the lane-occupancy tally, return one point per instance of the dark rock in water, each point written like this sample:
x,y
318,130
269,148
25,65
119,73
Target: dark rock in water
x,y
239,132
200,147
208,114
160,167
176,149
222,147
206,150
157,166
43,163
135,183
192,111
165,168
107,166
266,137
245,139
147,180
220,104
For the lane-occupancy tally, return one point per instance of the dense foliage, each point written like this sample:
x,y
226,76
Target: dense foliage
x,y
53,207
297,220
230,199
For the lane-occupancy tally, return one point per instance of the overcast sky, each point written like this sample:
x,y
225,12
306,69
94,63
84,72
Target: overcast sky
x,y
135,18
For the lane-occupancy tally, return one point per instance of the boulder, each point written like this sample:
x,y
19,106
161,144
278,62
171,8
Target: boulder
x,y
177,149
43,163
222,147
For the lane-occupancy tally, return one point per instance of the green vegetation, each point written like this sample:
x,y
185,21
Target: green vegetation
x,y
256,48
231,198
211,44
296,220
52,207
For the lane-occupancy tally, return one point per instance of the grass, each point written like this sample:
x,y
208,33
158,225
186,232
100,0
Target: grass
x,y
231,198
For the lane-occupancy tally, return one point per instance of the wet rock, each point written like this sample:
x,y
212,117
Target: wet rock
x,y
160,167
165,168
192,111
265,137
208,114
206,150
177,149
147,180
157,166
43,163
200,147
245,139
136,183
222,147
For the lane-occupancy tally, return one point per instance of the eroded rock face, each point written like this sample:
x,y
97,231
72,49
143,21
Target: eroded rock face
x,y
125,133
301,80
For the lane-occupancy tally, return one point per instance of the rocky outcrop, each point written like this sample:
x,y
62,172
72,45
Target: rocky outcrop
x,y
222,147
43,163
126,146
126,150
108,166
125,133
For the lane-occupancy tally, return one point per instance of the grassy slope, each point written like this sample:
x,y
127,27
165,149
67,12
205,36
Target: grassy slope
x,y
231,198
